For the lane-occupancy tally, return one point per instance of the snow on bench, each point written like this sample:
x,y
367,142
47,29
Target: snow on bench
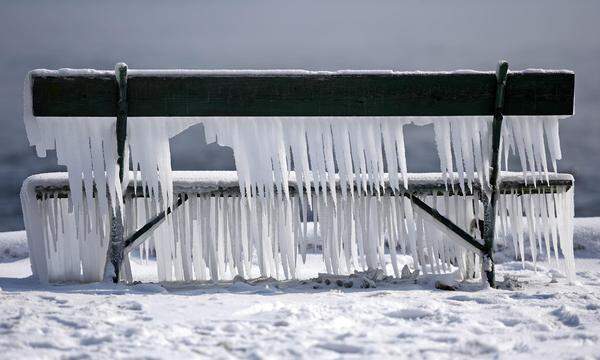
x,y
343,133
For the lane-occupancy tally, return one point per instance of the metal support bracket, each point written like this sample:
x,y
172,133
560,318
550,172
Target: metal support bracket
x,y
117,229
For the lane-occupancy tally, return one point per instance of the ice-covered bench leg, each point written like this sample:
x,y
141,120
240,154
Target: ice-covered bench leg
x,y
117,228
489,201
64,246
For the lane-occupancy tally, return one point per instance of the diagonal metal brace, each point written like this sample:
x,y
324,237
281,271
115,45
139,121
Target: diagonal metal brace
x,y
447,223
138,237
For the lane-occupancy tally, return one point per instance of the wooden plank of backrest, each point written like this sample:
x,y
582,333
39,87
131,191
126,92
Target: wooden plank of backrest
x,y
303,94
56,95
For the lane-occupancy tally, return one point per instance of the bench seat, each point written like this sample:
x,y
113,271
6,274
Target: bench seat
x,y
226,183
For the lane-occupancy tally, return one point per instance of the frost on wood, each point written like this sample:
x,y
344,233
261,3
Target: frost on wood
x,y
348,176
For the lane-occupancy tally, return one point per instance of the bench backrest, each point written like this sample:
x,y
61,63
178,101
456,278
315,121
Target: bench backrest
x,y
301,93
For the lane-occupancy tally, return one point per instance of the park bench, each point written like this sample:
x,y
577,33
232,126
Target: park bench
x,y
301,94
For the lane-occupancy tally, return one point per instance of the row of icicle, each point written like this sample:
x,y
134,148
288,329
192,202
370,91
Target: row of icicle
x,y
357,234
358,151
224,242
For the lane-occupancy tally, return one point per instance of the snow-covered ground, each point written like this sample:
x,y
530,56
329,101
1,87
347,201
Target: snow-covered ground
x,y
545,317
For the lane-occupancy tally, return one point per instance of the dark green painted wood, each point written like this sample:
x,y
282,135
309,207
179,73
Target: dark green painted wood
x,y
77,95
408,94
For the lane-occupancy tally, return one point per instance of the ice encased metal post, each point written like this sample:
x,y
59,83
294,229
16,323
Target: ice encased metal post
x,y
489,202
116,227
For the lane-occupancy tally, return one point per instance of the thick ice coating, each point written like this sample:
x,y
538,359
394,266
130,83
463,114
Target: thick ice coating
x,y
64,233
346,177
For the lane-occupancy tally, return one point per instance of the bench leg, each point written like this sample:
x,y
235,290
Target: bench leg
x,y
117,229
116,243
489,201
489,229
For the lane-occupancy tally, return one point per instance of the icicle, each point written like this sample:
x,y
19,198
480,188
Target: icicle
x,y
551,131
529,216
565,213
442,138
399,137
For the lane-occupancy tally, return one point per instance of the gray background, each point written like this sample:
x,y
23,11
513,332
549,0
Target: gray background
x,y
327,35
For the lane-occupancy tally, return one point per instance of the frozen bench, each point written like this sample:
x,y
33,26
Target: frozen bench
x,y
256,94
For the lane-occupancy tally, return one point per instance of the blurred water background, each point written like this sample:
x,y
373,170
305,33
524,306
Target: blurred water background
x,y
314,35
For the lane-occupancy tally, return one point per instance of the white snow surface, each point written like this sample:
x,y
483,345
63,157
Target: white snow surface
x,y
291,319
545,317
13,246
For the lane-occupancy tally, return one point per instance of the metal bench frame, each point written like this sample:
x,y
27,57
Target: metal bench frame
x,y
279,93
